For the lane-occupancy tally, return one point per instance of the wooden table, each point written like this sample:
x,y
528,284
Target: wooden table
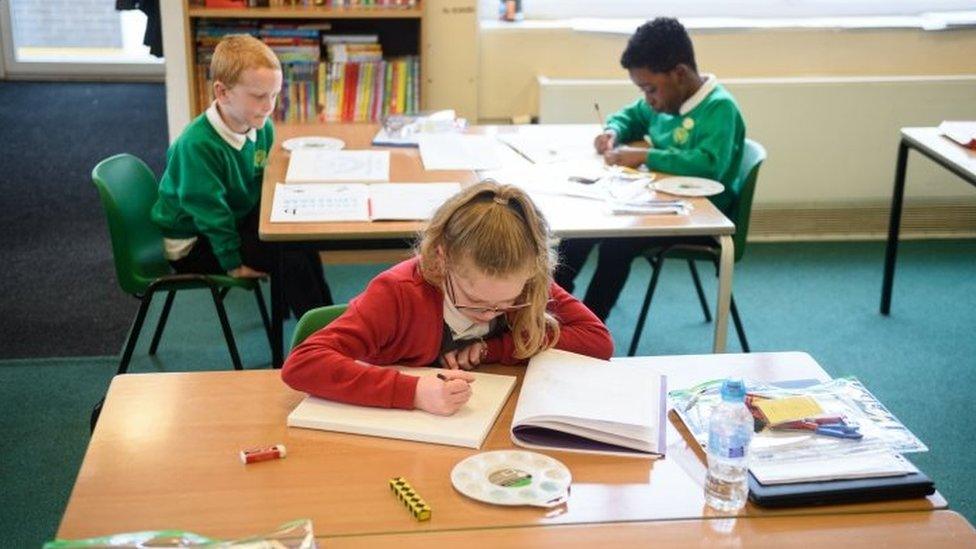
x,y
567,216
944,529
944,152
164,455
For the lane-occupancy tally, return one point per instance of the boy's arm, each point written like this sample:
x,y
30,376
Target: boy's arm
x,y
712,152
580,331
203,196
326,364
631,122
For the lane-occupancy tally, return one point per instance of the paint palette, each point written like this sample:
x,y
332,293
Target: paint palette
x,y
314,142
688,186
513,477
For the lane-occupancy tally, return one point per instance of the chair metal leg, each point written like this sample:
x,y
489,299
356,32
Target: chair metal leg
x,y
225,326
259,295
223,292
130,345
738,325
656,263
698,288
163,317
96,411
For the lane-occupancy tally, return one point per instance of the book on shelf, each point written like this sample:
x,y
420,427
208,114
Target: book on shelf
x,y
303,3
335,77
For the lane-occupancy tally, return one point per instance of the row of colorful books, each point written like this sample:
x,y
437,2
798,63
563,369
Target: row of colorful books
x,y
348,81
309,3
370,90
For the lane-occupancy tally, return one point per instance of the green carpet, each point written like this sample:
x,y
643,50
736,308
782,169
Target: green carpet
x,y
820,298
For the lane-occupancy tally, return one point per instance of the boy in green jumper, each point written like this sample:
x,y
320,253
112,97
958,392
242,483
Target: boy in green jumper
x,y
209,195
693,127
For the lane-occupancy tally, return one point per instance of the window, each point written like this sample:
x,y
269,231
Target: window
x,y
74,37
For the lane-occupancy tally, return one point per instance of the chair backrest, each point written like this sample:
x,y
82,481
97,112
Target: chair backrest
x,y
128,190
315,320
753,155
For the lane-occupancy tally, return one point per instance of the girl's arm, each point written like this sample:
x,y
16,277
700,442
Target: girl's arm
x,y
580,331
327,364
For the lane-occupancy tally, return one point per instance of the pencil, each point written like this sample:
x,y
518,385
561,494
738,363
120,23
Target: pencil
x,y
599,115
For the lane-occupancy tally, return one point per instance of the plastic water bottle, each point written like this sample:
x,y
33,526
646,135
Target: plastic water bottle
x,y
729,434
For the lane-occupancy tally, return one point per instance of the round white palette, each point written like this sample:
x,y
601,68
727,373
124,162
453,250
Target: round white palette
x,y
313,142
689,186
513,477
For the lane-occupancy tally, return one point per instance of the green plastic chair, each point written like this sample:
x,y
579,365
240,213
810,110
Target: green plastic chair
x,y
315,320
739,212
128,190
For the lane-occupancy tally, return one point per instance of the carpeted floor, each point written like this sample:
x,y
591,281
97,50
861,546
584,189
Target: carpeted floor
x,y
57,290
819,298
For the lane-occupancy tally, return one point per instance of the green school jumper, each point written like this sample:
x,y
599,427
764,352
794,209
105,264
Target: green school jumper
x,y
208,186
704,142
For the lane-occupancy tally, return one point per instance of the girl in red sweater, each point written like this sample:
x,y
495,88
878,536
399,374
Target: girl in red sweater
x,y
478,291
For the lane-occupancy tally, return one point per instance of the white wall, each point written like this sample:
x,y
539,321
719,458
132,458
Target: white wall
x,y
174,49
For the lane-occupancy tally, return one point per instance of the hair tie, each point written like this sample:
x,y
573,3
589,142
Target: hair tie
x,y
503,200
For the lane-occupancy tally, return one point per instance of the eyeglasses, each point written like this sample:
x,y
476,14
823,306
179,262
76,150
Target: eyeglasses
x,y
449,284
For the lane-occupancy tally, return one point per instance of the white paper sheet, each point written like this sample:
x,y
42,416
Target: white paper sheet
x,y
322,166
452,151
409,201
312,202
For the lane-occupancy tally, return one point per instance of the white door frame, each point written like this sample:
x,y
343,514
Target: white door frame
x,y
12,69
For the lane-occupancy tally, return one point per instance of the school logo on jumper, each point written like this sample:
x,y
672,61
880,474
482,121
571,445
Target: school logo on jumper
x,y
680,136
260,158
682,132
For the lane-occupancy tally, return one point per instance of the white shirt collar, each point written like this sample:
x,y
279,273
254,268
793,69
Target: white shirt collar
x,y
696,98
232,138
461,326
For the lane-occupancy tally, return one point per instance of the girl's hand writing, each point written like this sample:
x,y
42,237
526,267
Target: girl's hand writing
x,y
443,397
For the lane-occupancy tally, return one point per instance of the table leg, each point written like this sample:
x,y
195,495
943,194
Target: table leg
x,y
277,308
894,226
726,261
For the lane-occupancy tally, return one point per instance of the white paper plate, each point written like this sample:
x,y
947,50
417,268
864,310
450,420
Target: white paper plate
x,y
313,142
689,186
513,477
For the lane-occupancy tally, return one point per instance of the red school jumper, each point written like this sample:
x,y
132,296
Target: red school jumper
x,y
399,320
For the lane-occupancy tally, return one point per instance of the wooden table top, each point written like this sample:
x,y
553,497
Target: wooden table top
x,y
165,455
944,529
567,216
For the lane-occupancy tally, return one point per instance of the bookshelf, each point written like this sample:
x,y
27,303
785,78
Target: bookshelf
x,y
313,84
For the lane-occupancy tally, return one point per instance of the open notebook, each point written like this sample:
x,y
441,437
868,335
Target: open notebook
x,y
580,404
318,202
468,427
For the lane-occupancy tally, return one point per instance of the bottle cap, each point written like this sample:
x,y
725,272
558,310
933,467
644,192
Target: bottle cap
x,y
733,390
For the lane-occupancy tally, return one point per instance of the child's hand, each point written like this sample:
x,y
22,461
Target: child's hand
x,y
465,358
605,141
631,157
246,272
443,397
